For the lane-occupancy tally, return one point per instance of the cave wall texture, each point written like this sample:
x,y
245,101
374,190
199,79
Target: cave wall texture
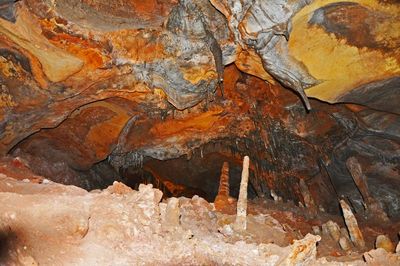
x,y
91,89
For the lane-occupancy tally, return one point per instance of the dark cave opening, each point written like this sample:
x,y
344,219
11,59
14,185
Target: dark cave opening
x,y
188,177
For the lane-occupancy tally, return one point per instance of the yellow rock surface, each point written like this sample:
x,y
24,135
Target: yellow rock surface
x,y
341,65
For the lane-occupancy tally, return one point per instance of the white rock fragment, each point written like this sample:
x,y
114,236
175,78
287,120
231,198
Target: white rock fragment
x,y
381,257
316,230
227,230
303,251
274,195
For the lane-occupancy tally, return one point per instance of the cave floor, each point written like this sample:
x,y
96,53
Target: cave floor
x,y
46,223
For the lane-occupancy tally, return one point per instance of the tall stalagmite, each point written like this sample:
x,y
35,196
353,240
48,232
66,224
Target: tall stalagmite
x,y
241,222
352,225
222,200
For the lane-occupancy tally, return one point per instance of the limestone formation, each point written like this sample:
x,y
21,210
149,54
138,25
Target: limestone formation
x,y
222,198
352,225
275,196
373,208
345,243
303,251
316,230
332,229
359,178
172,213
223,190
381,257
344,240
109,107
383,241
308,200
241,215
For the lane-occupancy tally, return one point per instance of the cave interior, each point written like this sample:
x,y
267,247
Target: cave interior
x,y
218,132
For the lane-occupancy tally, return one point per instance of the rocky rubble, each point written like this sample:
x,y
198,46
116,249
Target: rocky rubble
x,y
54,224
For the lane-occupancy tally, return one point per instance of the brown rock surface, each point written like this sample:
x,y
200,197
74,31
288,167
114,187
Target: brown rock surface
x,y
105,96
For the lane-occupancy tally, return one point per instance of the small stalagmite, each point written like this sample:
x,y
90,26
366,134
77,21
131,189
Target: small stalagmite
x,y
398,248
172,213
223,190
223,201
344,241
316,230
241,222
383,241
352,225
308,200
332,229
275,196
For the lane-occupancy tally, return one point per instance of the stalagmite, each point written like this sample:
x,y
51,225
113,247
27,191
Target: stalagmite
x,y
355,170
241,223
172,213
223,200
332,229
344,241
223,190
316,230
383,241
374,209
352,225
275,196
398,248
308,200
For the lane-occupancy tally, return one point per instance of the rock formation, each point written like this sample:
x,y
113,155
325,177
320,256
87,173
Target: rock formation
x,y
332,229
241,215
352,225
383,241
223,201
373,207
100,100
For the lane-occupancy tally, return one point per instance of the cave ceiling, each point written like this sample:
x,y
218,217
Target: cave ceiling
x,y
93,80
